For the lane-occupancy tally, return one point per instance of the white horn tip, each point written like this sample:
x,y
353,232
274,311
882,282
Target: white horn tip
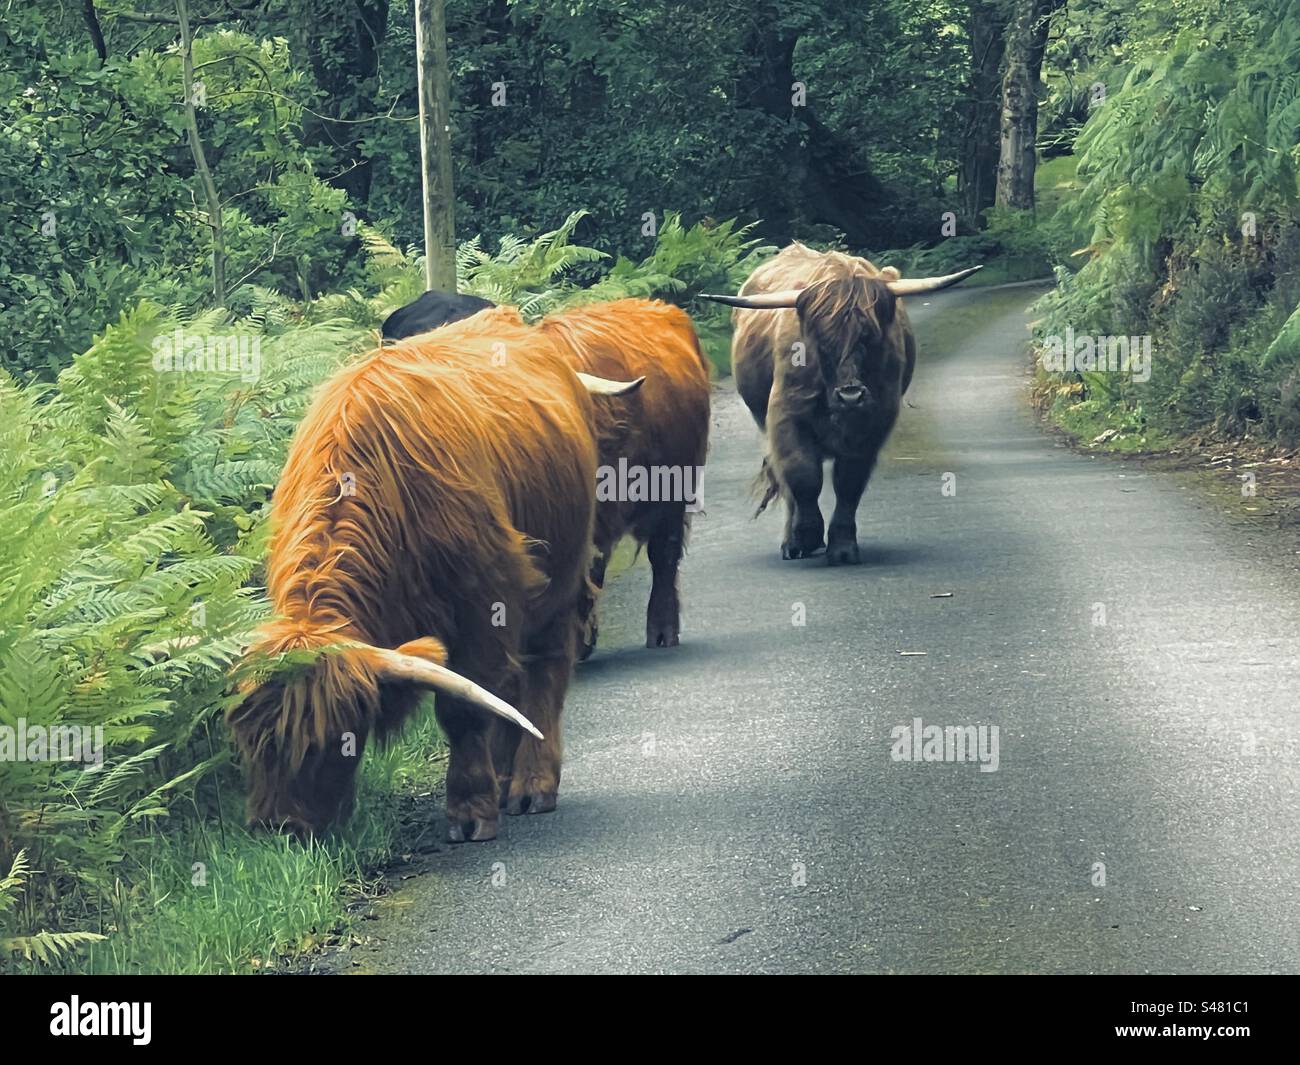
x,y
600,386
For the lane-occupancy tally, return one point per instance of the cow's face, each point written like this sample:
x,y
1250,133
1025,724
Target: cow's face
x,y
294,785
848,323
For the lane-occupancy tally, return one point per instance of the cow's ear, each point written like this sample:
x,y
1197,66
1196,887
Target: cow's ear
x,y
429,648
883,301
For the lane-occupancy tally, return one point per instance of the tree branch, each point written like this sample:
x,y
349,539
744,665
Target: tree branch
x,y
96,33
200,158
165,20
275,249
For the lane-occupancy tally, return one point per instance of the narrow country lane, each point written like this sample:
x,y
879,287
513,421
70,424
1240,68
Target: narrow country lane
x,y
732,805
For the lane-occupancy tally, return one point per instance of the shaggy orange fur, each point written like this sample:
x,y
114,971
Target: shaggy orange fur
x,y
665,424
439,499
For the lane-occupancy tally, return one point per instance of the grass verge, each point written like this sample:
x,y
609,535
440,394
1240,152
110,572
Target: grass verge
x,y
211,897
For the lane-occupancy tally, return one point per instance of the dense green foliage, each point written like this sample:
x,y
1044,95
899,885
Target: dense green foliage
x,y
639,113
1187,214
101,207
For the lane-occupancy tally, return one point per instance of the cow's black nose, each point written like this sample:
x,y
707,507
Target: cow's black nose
x,y
851,395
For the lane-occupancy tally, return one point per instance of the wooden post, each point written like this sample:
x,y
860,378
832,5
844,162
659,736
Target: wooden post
x,y
435,145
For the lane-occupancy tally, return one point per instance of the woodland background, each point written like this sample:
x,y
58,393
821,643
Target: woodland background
x,y
1151,171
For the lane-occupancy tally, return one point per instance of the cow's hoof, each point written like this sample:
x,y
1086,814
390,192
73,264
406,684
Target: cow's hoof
x,y
587,648
791,550
805,540
843,554
536,801
662,635
532,795
474,830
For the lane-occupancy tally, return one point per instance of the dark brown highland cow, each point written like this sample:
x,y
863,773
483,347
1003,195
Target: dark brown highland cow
x,y
432,531
822,353
660,435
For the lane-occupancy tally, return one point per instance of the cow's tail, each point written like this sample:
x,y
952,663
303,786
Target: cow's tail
x,y
766,487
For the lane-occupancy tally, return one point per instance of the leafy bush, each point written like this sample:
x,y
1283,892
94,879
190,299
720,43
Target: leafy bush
x,y
537,276
1189,222
99,206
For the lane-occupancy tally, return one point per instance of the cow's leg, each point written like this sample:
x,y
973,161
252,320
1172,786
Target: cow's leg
x,y
849,477
535,781
503,741
665,546
798,465
481,745
472,793
589,608
608,531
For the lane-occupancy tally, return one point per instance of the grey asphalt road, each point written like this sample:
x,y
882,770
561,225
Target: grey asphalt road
x,y
732,805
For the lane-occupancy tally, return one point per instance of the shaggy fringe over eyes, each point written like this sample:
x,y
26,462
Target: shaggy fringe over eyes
x,y
845,308
290,715
844,297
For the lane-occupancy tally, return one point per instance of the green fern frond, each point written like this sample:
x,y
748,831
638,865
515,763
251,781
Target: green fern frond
x,y
46,948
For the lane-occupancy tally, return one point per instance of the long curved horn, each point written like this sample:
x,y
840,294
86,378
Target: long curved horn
x,y
913,286
395,667
600,386
761,301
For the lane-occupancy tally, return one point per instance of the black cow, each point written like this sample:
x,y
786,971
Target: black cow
x,y
430,311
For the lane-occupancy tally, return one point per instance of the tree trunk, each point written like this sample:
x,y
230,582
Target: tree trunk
x,y
435,145
342,44
1021,84
200,158
774,173
977,172
93,28
799,178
